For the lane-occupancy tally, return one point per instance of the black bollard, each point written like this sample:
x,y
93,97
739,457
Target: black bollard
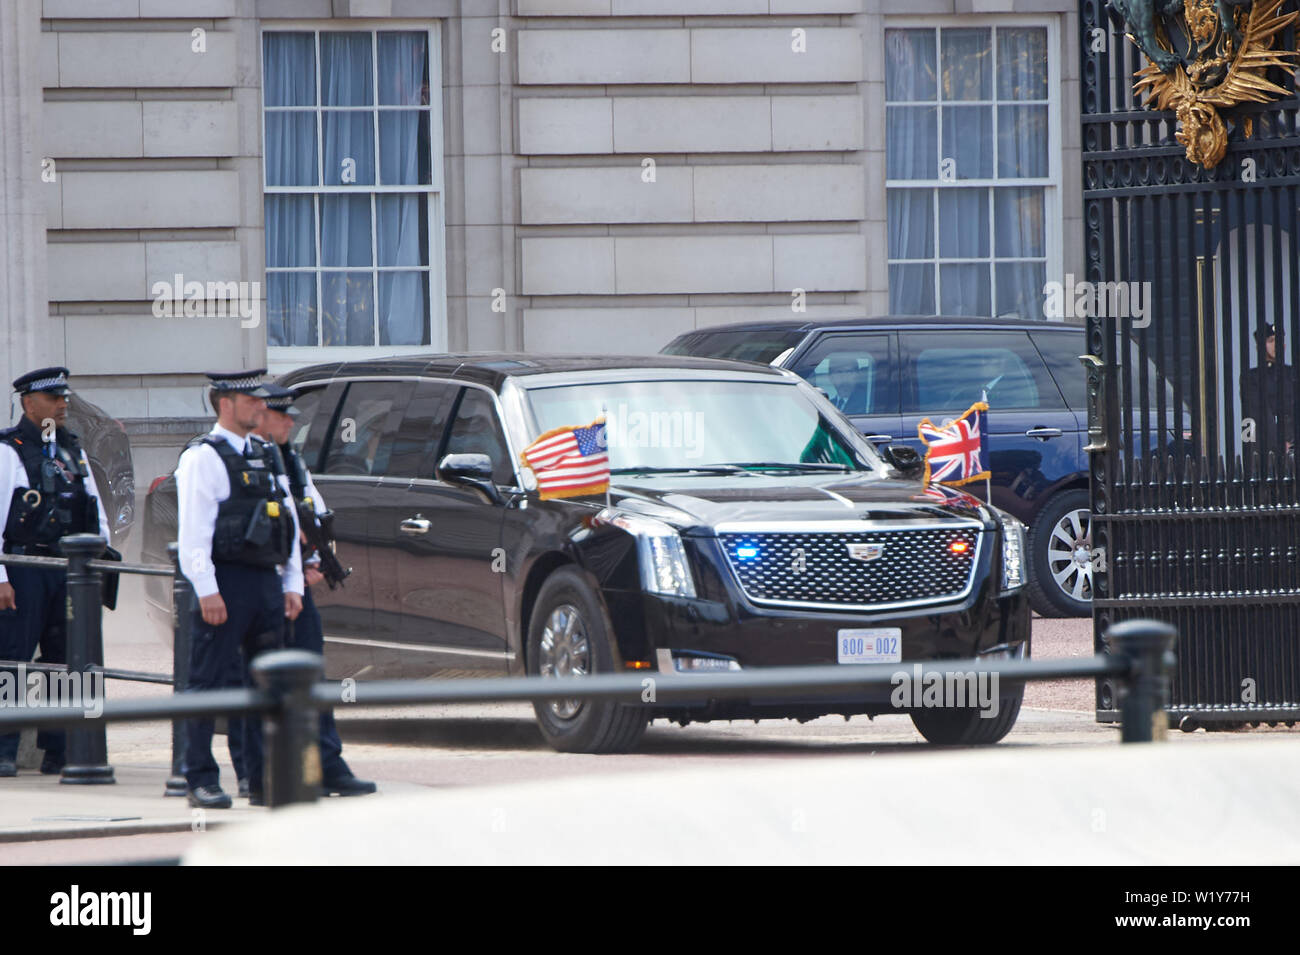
x,y
182,622
87,749
291,769
1147,646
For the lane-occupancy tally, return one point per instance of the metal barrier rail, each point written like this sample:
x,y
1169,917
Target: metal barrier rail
x,y
109,673
290,692
87,748
106,566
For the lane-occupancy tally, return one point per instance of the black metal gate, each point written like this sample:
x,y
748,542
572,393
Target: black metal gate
x,y
1196,514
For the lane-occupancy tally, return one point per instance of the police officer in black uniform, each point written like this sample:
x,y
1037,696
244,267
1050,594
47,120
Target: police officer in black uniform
x,y
238,545
1268,395
307,633
46,492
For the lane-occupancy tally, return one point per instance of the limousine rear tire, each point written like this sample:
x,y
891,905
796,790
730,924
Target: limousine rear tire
x,y
569,635
965,726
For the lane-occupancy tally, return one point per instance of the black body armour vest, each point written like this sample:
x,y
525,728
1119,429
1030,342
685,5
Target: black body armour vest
x,y
56,502
254,526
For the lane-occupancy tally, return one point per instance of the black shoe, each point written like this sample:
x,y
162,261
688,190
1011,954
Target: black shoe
x,y
52,765
243,788
209,797
8,768
256,799
347,786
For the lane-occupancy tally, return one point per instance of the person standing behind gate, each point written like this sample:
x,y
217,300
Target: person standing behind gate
x,y
1268,395
46,492
307,633
238,545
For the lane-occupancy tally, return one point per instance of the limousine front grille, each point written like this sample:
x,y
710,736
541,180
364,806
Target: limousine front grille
x,y
819,570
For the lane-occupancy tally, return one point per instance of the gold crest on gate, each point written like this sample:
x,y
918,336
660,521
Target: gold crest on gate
x,y
1203,56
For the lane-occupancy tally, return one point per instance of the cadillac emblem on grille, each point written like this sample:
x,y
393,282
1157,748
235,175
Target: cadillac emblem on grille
x,y
860,551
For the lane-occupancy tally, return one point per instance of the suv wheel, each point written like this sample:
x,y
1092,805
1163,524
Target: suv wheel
x,y
570,636
1060,553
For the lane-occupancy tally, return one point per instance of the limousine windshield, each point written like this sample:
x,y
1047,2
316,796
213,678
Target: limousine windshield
x,y
688,424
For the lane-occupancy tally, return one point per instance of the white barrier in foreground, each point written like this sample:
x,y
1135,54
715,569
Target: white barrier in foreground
x,y
1231,802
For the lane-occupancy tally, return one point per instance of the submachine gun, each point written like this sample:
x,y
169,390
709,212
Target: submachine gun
x,y
319,531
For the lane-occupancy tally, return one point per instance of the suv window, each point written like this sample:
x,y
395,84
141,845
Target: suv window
x,y
310,420
952,369
1061,351
476,430
856,372
760,345
418,436
362,442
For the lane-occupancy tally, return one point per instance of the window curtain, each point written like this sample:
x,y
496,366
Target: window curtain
x,y
911,152
1021,227
402,240
290,296
290,81
349,233
404,160
911,236
1022,129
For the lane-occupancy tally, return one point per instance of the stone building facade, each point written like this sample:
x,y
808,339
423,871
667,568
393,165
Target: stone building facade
x,y
537,175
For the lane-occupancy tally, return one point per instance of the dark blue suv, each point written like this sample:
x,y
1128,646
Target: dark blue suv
x,y
886,374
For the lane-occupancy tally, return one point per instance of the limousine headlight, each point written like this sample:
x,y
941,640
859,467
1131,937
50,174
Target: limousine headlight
x,y
1013,555
664,568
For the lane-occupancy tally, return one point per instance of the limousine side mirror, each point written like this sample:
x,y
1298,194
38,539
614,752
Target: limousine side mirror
x,y
902,457
470,470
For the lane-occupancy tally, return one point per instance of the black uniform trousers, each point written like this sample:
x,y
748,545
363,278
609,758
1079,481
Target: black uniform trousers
x,y
305,633
40,619
254,599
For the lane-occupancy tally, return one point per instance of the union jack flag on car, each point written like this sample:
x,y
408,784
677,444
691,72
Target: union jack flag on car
x,y
954,451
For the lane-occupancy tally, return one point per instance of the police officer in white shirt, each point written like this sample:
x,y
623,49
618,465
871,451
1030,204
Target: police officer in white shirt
x,y
307,632
238,545
46,492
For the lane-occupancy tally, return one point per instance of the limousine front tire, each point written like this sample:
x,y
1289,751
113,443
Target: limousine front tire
x,y
569,636
966,726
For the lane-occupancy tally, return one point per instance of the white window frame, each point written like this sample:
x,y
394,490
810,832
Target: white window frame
x,y
1051,184
284,358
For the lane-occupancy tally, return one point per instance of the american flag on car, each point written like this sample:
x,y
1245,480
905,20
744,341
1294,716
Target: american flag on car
x,y
954,451
570,461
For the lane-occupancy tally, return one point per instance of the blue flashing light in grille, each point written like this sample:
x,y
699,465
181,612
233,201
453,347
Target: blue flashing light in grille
x,y
746,551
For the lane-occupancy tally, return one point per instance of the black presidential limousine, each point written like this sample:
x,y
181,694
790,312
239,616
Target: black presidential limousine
x,y
747,524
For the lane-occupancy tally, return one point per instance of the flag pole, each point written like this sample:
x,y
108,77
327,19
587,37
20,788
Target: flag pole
x,y
605,424
988,475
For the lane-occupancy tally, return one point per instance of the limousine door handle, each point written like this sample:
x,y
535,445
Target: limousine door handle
x,y
415,525
879,438
1044,433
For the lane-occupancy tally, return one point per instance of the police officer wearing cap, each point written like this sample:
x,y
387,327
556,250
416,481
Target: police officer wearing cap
x,y
46,492
1268,395
238,545
307,633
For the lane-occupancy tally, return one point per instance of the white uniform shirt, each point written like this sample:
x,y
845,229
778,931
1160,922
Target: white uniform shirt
x,y
14,475
201,485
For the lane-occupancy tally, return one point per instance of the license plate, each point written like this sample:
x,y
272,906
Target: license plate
x,y
879,645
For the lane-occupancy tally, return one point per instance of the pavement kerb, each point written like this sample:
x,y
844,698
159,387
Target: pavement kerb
x,y
108,829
